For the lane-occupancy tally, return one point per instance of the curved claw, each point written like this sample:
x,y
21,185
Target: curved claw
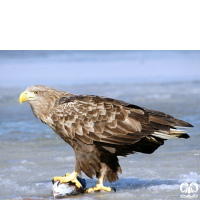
x,y
112,188
58,183
55,181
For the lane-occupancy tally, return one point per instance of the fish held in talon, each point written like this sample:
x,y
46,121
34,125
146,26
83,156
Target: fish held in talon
x,y
100,129
61,190
68,178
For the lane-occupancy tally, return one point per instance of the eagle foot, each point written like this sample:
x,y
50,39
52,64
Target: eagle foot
x,y
99,187
68,178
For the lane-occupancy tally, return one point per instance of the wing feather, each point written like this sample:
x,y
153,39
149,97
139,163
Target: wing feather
x,y
92,118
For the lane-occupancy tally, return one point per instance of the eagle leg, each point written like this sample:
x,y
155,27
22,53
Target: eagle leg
x,y
68,178
99,186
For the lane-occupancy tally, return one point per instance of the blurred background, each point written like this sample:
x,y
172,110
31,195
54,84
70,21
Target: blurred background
x,y
31,153
25,68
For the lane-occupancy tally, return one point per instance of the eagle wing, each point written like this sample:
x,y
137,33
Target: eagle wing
x,y
91,118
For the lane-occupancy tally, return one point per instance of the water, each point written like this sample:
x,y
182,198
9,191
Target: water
x,y
31,154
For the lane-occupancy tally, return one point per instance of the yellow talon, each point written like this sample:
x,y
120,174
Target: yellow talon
x,y
77,183
68,178
98,187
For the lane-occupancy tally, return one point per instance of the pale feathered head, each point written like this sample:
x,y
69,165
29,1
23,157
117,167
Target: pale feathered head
x,y
41,98
37,93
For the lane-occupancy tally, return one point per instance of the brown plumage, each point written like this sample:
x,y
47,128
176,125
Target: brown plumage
x,y
99,128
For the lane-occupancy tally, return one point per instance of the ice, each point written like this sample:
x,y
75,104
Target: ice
x,y
191,177
27,162
65,159
7,182
15,198
19,168
164,187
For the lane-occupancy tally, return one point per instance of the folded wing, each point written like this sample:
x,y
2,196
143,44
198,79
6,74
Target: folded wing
x,y
114,124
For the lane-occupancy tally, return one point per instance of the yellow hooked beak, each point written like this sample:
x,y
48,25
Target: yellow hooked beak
x,y
25,96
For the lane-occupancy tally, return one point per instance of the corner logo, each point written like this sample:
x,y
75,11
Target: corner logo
x,y
189,189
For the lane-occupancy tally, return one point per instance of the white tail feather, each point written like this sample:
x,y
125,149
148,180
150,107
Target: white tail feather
x,y
183,127
172,134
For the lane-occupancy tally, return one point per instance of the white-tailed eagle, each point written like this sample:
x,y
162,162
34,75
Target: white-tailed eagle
x,y
99,129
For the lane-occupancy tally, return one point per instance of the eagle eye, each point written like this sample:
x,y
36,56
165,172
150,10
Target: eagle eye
x,y
36,92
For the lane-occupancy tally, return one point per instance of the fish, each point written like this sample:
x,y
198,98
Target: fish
x,y
63,190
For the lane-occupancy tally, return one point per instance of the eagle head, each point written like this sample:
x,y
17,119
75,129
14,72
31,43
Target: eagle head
x,y
41,98
36,93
